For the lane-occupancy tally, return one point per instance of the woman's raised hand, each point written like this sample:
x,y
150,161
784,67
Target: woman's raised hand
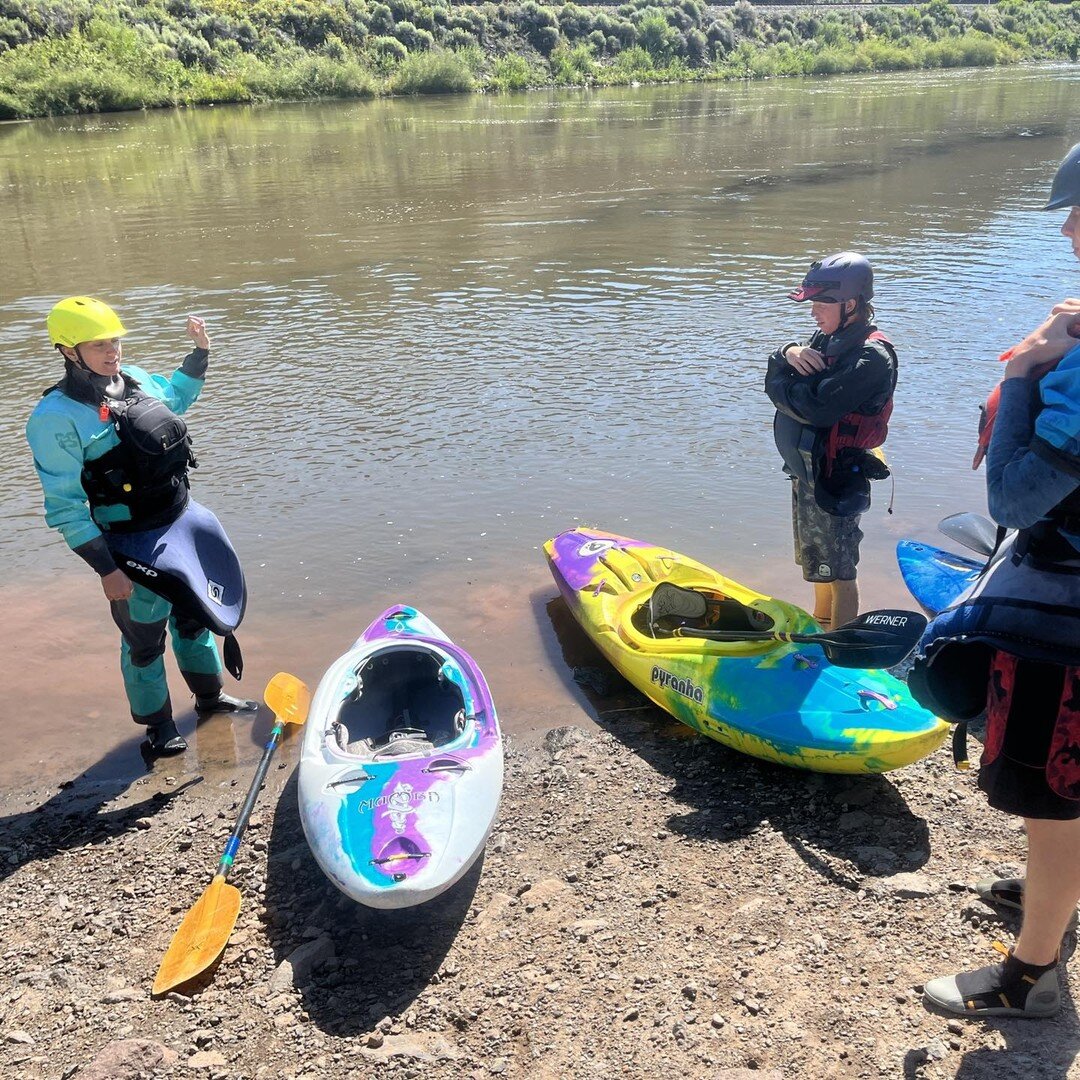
x,y
196,330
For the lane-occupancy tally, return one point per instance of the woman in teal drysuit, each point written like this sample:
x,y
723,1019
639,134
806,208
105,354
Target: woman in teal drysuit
x,y
80,458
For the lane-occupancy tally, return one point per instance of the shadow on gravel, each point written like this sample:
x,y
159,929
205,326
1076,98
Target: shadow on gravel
x,y
382,960
861,819
73,817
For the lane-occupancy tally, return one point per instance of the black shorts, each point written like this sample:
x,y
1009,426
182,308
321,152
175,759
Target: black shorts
x,y
1031,760
826,546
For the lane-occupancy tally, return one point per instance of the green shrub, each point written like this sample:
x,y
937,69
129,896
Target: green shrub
x,y
380,19
412,37
514,72
721,38
457,38
388,49
574,22
697,47
744,17
544,39
437,72
572,65
659,39
635,63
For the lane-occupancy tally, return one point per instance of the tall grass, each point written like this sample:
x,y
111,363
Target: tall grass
x,y
437,72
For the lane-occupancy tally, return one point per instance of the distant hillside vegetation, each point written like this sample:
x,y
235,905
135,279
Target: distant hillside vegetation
x,y
68,56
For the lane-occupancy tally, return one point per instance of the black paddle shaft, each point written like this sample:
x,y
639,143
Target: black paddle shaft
x,y
233,845
876,639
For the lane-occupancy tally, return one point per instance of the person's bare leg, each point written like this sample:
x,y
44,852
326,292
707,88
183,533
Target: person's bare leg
x,y
1051,888
823,604
845,601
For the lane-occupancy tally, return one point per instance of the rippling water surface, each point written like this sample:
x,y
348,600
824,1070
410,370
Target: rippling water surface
x,y
446,329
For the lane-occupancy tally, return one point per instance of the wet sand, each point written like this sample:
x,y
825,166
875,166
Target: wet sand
x,y
68,716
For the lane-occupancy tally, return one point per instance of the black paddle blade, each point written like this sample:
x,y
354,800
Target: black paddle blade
x,y
875,639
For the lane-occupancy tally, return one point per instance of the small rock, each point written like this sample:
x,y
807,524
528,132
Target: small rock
x,y
631,1014
909,886
296,968
19,1036
689,991
375,1040
544,891
124,993
585,928
936,1050
129,1059
206,1059
143,823
956,1027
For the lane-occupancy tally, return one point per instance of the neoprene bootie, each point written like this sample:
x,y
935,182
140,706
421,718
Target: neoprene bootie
x,y
223,703
165,739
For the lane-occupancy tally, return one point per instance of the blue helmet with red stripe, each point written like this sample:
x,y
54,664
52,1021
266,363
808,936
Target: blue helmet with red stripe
x,y
846,276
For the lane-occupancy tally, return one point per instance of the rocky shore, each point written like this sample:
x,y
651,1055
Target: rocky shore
x,y
650,903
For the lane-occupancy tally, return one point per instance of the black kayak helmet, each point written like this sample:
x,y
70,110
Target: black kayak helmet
x,y
1065,190
833,280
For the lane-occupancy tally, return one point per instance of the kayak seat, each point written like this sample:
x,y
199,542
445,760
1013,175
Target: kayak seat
x,y
399,690
672,607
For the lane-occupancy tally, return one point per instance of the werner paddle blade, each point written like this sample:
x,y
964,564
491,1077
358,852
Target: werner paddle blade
x,y
975,532
201,937
875,639
289,697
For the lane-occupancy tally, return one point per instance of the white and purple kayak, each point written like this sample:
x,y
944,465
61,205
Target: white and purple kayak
x,y
402,764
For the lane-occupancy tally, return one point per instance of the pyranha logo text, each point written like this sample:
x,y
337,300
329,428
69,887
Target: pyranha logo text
x,y
683,687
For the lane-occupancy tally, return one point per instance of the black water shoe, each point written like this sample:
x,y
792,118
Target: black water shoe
x,y
1011,988
165,739
1004,892
224,703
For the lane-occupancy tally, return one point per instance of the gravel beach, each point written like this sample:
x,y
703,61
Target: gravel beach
x,y
649,902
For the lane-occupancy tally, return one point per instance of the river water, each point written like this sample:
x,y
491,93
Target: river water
x,y
446,329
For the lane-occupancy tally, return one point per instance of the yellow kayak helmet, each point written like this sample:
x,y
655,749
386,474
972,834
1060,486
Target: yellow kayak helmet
x,y
82,318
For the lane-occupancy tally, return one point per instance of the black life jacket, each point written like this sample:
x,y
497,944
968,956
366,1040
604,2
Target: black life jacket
x,y
147,471
1026,603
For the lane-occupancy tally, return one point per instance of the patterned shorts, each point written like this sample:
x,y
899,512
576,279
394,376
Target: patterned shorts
x,y
1031,759
826,546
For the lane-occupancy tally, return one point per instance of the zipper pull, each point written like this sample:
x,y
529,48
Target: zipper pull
x,y
103,411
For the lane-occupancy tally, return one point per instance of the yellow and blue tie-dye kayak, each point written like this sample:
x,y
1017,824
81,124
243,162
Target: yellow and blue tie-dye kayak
x,y
776,701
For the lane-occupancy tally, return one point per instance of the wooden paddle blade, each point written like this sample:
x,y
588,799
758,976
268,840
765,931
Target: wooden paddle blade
x,y
289,697
201,937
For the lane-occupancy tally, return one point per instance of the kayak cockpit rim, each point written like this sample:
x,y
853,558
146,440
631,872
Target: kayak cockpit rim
x,y
631,618
399,699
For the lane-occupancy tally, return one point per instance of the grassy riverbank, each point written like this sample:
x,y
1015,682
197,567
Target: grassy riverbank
x,y
69,56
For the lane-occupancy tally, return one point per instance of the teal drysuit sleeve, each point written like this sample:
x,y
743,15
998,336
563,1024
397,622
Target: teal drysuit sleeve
x,y
57,445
